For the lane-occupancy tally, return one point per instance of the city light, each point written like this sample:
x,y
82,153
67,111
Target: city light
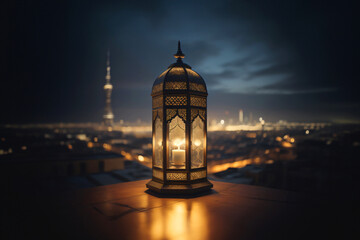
x,y
141,158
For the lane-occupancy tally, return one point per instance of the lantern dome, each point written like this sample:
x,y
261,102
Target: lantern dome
x,y
179,76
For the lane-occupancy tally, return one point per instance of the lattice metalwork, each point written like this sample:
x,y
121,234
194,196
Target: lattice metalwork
x,y
197,87
170,113
158,174
197,143
202,114
175,85
157,102
198,175
194,113
157,88
163,74
197,101
158,143
176,176
176,101
157,113
160,114
176,73
182,113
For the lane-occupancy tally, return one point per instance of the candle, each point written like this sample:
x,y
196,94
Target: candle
x,y
178,156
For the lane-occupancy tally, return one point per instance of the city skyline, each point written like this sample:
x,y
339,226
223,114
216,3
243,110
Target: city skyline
x,y
289,61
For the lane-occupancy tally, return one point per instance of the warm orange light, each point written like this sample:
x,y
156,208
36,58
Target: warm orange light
x,y
251,135
224,166
286,144
90,145
127,155
182,220
197,143
70,146
107,147
179,142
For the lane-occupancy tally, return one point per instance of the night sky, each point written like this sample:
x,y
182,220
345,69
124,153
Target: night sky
x,y
289,60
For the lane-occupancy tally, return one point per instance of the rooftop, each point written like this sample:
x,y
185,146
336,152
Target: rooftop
x,y
127,211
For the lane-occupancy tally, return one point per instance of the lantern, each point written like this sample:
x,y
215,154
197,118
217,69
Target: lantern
x,y
179,130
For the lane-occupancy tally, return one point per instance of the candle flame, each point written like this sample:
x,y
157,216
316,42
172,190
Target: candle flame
x,y
179,142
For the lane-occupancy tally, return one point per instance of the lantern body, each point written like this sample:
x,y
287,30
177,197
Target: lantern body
x,y
179,120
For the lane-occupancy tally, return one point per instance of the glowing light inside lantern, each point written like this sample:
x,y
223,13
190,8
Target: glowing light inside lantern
x,y
178,155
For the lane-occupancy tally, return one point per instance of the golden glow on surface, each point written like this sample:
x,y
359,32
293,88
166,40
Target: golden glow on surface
x,y
182,220
70,146
96,139
90,145
307,132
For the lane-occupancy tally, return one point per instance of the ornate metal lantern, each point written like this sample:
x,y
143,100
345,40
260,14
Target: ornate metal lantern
x,y
179,130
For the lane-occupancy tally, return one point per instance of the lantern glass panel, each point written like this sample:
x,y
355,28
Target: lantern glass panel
x,y
176,144
158,143
197,143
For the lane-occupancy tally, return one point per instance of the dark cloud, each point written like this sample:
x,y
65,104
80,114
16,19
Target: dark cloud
x,y
272,70
199,51
275,57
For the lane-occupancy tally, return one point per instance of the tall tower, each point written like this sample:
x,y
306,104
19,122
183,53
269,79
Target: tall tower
x,y
108,116
241,116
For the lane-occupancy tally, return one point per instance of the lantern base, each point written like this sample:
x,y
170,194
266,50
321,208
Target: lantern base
x,y
192,188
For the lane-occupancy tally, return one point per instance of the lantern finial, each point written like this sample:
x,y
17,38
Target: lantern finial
x,y
179,53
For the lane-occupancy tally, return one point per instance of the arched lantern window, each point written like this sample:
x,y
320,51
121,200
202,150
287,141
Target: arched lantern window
x,y
179,130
